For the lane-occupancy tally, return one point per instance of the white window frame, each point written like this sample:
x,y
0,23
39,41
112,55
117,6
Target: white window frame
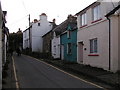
x,y
83,19
96,13
68,33
55,49
94,45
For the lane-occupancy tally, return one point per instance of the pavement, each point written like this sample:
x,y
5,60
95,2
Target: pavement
x,y
100,75
9,81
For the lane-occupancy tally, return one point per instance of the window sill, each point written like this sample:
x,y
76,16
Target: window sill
x,y
96,20
93,55
83,26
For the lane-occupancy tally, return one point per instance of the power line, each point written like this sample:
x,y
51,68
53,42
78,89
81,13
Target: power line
x,y
24,6
113,4
19,20
16,22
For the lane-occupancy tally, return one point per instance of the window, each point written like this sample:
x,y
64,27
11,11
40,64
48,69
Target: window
x,y
93,46
38,24
96,13
55,49
69,48
68,34
83,19
25,34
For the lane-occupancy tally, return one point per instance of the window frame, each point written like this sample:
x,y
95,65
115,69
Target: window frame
x,y
96,13
93,46
83,19
68,34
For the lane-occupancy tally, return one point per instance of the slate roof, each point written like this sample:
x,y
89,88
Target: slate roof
x,y
63,26
90,6
113,11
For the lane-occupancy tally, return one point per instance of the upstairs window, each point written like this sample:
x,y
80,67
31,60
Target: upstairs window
x,y
38,24
96,13
68,34
93,46
83,19
25,35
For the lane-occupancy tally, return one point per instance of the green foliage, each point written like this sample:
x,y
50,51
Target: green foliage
x,y
15,40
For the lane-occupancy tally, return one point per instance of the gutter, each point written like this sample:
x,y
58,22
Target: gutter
x,y
109,43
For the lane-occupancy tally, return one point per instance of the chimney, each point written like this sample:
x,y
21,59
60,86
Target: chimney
x,y
19,29
69,16
54,20
35,20
43,16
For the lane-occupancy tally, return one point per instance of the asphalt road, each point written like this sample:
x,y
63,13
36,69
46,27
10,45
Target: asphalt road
x,y
32,73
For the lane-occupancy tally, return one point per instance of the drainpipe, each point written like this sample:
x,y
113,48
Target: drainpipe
x,y
109,42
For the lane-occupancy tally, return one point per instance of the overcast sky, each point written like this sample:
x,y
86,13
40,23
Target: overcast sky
x,y
18,10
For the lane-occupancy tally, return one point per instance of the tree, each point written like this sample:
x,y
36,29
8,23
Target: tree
x,y
16,40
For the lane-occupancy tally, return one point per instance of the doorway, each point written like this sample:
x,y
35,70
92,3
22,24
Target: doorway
x,y
62,52
80,52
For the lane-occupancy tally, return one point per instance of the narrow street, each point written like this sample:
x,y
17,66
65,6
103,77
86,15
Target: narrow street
x,y
32,73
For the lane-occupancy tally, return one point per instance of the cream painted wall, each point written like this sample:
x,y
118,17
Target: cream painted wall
x,y
114,43
119,42
99,30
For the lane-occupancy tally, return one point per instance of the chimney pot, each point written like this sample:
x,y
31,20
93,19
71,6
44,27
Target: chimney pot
x,y
54,20
35,20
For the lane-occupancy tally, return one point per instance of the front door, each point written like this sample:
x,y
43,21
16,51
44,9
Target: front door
x,y
62,52
80,52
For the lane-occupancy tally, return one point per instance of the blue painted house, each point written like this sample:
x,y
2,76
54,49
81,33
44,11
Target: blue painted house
x,y
68,41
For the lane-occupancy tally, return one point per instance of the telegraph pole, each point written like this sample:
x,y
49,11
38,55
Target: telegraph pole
x,y
29,20
29,33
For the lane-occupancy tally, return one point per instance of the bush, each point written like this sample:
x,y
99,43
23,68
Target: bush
x,y
37,54
4,74
3,82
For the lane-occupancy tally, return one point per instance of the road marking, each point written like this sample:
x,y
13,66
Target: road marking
x,y
14,70
68,73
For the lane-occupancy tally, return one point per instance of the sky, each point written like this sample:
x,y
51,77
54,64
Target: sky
x,y
18,11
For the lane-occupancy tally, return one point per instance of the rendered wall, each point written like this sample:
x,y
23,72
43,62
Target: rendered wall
x,y
56,47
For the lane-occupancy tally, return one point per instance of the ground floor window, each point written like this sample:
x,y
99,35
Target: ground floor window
x,y
69,48
54,49
93,46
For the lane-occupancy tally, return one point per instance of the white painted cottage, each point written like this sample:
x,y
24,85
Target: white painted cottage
x,y
56,47
37,29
